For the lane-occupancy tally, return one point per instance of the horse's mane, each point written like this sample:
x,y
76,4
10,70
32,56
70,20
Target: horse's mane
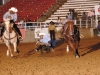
x,y
69,22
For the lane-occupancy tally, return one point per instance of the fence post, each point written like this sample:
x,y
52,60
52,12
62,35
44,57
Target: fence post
x,y
80,23
86,23
25,26
75,21
91,22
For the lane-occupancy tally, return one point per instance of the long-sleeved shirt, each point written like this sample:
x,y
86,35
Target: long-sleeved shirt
x,y
52,27
13,16
90,14
46,39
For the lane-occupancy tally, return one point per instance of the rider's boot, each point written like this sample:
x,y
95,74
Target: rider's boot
x,y
20,38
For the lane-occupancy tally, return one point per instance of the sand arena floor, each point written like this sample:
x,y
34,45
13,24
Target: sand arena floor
x,y
29,62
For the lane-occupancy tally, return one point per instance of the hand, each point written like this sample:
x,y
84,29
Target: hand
x,y
9,17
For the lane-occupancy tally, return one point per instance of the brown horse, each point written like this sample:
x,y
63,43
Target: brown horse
x,y
72,37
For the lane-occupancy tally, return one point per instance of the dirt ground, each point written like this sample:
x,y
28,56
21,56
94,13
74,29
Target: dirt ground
x,y
29,62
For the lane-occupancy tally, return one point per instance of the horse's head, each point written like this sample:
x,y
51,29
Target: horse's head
x,y
8,26
69,28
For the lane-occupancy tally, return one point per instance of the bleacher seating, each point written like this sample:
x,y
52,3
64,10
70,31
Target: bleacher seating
x,y
27,9
78,5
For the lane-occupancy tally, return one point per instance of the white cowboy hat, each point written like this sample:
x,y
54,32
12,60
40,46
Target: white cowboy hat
x,y
13,9
41,34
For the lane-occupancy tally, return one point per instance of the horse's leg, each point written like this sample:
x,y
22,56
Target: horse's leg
x,y
67,48
15,47
77,45
75,50
7,50
11,52
72,46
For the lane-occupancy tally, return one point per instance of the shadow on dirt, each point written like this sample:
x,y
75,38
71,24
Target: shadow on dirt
x,y
91,48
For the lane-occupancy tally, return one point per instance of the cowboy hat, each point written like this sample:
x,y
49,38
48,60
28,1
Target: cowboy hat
x,y
13,9
52,23
41,34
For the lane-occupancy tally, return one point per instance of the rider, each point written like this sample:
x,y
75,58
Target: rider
x,y
11,14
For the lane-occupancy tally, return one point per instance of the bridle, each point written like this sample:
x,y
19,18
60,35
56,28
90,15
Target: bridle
x,y
71,32
9,29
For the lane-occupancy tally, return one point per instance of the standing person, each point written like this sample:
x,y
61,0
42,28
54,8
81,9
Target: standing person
x,y
90,14
11,14
75,15
59,21
84,17
69,16
98,27
52,30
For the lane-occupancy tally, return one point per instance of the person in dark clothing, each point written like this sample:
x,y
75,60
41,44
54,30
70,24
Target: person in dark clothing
x,y
52,30
98,27
11,15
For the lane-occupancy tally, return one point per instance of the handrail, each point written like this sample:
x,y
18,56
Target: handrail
x,y
80,23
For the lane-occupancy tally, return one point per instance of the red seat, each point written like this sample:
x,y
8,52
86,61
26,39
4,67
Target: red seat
x,y
28,8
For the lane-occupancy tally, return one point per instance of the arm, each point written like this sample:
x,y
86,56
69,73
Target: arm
x,y
48,28
15,17
6,16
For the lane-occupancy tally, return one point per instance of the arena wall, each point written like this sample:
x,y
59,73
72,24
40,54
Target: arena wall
x,y
86,33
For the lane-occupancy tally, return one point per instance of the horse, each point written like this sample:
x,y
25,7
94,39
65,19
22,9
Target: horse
x,y
10,37
72,36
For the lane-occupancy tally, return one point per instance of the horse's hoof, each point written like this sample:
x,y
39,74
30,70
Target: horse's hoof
x,y
17,51
67,51
7,53
77,56
11,55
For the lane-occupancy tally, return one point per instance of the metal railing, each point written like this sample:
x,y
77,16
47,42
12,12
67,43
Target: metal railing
x,y
80,23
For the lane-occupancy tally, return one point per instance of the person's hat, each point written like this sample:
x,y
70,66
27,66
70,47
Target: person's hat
x,y
13,9
41,34
52,23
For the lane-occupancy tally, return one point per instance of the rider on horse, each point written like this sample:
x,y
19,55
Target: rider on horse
x,y
11,15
